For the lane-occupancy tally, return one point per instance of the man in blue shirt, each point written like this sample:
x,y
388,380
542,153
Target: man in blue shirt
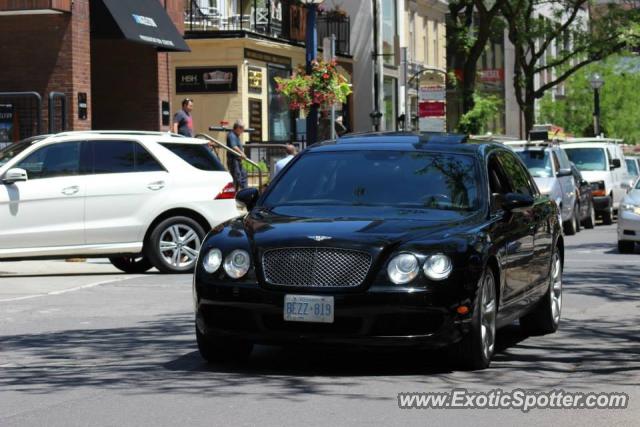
x,y
235,162
280,164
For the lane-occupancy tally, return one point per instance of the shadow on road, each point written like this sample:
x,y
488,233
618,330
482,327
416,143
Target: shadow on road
x,y
619,282
160,356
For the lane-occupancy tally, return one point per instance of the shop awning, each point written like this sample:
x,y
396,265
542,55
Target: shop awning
x,y
140,21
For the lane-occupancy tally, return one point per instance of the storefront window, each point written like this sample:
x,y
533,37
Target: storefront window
x,y
390,99
389,30
279,116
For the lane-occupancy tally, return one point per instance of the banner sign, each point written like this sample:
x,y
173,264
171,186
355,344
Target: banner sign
x,y
207,80
432,124
6,123
431,109
432,93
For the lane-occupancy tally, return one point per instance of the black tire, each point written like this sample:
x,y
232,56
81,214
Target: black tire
x,y
159,258
626,246
222,349
607,217
590,221
571,227
131,264
472,353
544,319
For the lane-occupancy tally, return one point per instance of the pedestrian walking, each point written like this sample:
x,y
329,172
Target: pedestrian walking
x,y
182,121
280,164
234,141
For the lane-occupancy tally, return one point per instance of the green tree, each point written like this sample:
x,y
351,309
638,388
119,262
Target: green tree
x,y
619,100
578,41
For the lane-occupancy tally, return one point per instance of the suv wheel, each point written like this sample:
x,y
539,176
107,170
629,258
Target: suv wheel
x,y
131,264
571,226
174,245
607,217
222,349
478,345
590,221
626,246
546,316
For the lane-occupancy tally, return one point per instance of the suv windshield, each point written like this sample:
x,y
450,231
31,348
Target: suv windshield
x,y
588,159
10,151
632,166
418,181
537,161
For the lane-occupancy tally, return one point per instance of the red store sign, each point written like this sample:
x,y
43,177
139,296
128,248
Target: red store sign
x,y
432,109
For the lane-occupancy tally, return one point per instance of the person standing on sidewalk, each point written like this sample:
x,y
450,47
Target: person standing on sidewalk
x,y
182,121
280,164
234,141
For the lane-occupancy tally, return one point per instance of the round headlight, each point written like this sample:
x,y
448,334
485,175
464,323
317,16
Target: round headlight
x,y
438,267
212,261
403,269
237,263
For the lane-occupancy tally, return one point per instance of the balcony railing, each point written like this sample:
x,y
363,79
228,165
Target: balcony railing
x,y
280,19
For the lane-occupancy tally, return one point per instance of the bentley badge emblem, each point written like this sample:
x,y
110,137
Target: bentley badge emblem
x,y
319,238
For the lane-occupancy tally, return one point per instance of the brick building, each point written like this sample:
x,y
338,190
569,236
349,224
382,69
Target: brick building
x,y
108,57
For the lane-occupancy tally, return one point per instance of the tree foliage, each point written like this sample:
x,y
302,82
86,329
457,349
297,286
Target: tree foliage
x,y
475,120
619,98
557,44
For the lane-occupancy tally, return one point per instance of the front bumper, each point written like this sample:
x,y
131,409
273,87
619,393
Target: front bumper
x,y
602,204
381,316
628,226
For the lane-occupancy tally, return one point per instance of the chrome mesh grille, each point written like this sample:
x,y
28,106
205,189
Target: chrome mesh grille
x,y
315,267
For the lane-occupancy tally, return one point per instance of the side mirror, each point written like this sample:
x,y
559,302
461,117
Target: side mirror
x,y
513,201
625,186
584,182
248,197
564,172
615,164
15,175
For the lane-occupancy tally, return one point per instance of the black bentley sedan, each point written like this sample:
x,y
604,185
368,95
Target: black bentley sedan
x,y
389,239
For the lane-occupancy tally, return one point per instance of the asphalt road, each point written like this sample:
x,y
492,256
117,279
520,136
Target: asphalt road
x,y
82,345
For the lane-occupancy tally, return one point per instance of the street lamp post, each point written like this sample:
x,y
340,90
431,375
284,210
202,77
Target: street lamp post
x,y
311,44
596,84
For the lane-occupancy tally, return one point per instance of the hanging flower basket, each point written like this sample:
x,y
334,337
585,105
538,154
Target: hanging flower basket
x,y
324,87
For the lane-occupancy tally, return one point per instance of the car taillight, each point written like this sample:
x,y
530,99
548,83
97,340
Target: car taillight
x,y
228,192
598,189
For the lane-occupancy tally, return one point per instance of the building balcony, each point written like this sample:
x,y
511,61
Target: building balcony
x,y
281,20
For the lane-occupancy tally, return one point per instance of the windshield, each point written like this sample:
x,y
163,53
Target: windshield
x,y
632,166
416,181
10,151
537,161
588,159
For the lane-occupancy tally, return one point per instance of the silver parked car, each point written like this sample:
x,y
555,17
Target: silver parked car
x,y
551,170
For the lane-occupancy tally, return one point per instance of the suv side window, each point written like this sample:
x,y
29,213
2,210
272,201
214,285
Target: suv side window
x,y
52,161
519,177
499,184
122,157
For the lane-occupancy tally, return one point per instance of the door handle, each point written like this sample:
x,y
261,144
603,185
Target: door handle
x,y
70,191
155,186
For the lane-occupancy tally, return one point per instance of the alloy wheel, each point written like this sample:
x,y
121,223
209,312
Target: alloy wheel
x,y
556,288
488,308
180,245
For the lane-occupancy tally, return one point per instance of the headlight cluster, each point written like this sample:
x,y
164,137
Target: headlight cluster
x,y
403,268
236,264
630,208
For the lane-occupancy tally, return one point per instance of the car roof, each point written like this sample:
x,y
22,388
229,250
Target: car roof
x,y
97,135
404,141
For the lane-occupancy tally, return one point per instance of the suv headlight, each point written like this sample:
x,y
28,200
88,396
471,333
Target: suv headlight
x,y
438,267
403,268
212,261
628,207
237,263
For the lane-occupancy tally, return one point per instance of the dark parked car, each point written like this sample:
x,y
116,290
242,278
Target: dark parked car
x,y
584,199
423,240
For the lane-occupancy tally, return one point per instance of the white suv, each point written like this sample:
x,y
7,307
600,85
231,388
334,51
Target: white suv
x,y
142,199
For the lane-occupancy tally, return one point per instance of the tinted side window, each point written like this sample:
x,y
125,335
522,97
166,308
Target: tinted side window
x,y
53,161
197,155
520,181
113,157
145,162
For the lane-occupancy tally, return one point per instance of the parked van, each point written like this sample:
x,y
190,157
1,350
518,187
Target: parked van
x,y
602,163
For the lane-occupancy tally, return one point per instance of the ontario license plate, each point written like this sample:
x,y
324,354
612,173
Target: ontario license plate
x,y
304,308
